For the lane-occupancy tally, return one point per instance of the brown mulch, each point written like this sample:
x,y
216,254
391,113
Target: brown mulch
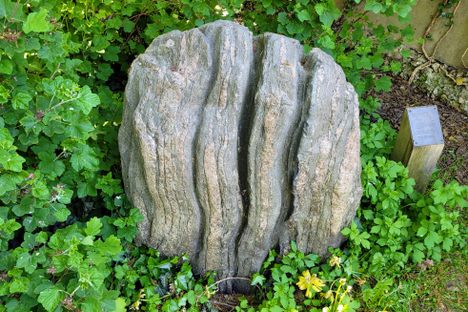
x,y
226,302
452,163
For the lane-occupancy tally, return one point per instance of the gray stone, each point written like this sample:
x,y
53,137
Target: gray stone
x,y
233,145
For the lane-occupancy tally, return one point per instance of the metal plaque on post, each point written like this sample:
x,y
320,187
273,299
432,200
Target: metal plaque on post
x,y
419,143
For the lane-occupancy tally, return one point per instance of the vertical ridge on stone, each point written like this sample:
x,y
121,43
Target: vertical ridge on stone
x,y
176,71
276,108
217,146
327,160
233,145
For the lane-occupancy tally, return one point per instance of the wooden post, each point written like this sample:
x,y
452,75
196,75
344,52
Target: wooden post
x,y
419,143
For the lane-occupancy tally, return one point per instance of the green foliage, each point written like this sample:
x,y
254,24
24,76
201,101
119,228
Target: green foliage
x,y
66,229
377,137
397,226
282,279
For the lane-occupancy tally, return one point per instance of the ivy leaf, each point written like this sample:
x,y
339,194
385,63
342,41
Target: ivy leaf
x,y
93,227
87,100
37,22
50,298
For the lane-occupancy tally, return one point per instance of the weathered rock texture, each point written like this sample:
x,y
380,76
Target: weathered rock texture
x,y
233,145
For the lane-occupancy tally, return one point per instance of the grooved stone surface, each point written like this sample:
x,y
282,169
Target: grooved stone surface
x,y
232,145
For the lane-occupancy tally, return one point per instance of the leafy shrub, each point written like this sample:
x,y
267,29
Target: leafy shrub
x,y
324,285
66,228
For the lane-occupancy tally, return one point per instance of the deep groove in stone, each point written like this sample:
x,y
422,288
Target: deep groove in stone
x,y
308,66
245,127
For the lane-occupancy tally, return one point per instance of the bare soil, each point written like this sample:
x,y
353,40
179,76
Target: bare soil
x,y
453,164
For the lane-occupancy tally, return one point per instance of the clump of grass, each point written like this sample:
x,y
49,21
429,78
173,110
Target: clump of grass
x,y
439,287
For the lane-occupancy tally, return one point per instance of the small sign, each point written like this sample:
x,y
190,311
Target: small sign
x,y
425,125
419,143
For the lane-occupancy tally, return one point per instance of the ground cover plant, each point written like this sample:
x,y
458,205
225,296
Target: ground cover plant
x,y
66,228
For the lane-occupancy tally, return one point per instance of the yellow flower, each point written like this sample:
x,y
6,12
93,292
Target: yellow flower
x,y
327,295
335,261
460,81
309,282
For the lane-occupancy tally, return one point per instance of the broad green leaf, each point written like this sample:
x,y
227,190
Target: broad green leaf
x,y
26,261
373,6
111,246
6,8
21,100
84,158
447,244
50,298
87,100
91,305
93,227
120,305
363,63
10,160
61,213
80,127
40,190
431,240
19,284
304,15
257,279
327,13
365,243
52,167
383,84
37,22
421,231
88,241
6,67
327,42
8,182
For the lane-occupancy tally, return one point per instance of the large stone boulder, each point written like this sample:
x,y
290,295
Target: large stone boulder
x,y
232,145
